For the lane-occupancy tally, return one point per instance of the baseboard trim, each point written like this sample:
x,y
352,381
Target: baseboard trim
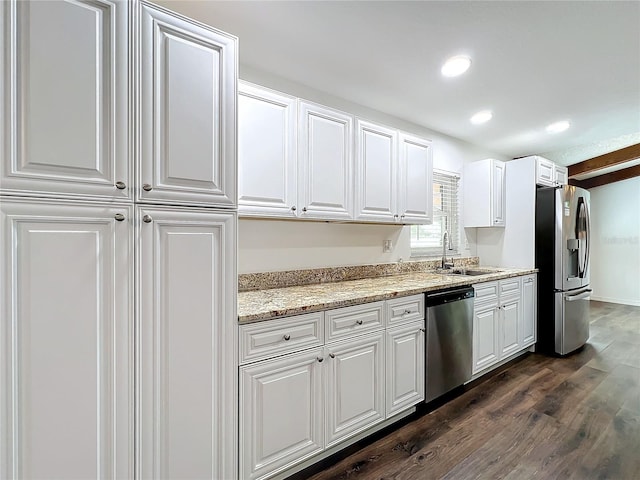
x,y
620,301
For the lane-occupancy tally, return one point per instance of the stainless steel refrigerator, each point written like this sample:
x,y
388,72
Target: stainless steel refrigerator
x,y
562,259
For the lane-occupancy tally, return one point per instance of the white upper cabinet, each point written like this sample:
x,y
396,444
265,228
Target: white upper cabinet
x,y
188,106
484,194
545,173
560,175
66,340
325,162
415,175
266,152
376,172
64,118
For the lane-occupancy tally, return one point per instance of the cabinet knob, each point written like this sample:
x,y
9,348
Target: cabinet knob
x,y
147,219
395,216
293,209
119,217
332,355
304,209
407,312
359,322
423,330
287,337
147,187
402,216
120,185
320,359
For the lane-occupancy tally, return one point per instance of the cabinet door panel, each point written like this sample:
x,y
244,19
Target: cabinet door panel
x,y
376,172
187,354
486,348
545,174
188,98
498,194
511,312
65,81
266,152
404,367
529,319
355,386
326,163
66,341
416,185
281,421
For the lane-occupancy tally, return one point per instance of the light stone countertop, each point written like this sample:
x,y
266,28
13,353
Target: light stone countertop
x,y
259,305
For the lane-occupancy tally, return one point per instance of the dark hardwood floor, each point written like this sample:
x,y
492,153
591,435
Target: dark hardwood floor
x,y
540,417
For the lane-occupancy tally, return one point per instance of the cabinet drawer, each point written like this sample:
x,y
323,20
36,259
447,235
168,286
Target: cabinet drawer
x,y
277,337
510,287
405,309
486,292
358,319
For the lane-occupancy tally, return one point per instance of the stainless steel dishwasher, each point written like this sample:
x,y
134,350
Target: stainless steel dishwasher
x,y
449,340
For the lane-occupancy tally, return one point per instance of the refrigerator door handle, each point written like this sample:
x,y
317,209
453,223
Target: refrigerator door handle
x,y
585,294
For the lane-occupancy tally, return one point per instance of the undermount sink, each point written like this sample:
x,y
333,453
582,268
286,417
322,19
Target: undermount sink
x,y
469,272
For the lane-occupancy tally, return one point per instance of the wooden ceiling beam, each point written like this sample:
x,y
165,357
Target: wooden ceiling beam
x,y
607,160
607,178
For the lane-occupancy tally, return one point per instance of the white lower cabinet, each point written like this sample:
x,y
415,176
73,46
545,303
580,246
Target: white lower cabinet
x,y
281,403
66,340
405,367
296,405
355,386
486,335
186,380
529,318
503,320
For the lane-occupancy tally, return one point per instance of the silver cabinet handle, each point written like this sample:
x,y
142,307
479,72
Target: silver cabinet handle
x,y
147,219
119,217
320,359
287,337
332,355
407,312
120,185
304,209
395,216
423,330
293,209
359,322
146,187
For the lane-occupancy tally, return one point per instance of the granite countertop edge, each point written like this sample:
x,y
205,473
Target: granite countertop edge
x,y
260,305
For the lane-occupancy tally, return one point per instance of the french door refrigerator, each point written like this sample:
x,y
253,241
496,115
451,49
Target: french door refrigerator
x,y
562,259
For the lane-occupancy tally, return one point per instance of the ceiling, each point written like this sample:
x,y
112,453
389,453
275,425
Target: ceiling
x,y
534,63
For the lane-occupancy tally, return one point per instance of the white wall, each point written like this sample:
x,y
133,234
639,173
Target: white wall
x,y
266,245
615,235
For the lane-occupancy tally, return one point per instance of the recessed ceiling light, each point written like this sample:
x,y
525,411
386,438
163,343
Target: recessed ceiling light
x,y
456,66
558,127
481,117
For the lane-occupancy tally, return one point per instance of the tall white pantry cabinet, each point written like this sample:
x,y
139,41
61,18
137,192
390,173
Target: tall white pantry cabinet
x,y
118,334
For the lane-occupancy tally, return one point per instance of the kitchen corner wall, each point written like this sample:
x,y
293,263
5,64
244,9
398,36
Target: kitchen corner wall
x,y
615,242
266,245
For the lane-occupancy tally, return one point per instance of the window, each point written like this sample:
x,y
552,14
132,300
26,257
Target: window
x,y
426,240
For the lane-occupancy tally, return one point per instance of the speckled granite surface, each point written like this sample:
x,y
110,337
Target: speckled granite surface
x,y
290,278
277,302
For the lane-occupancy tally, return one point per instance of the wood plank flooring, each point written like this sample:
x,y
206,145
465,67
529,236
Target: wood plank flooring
x,y
540,417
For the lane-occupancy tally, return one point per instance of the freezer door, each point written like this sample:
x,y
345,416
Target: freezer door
x,y
572,240
572,319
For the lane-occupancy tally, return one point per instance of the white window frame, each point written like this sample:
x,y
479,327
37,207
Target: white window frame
x,y
450,214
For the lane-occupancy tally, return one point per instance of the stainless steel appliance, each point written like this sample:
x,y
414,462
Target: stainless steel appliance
x,y
562,258
449,340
